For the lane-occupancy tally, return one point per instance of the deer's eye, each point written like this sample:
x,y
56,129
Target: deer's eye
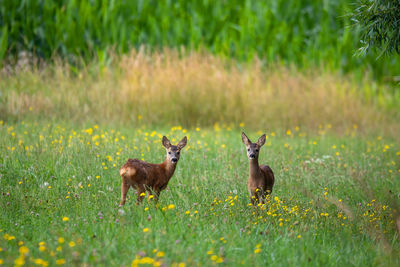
x,y
169,152
178,152
248,149
256,150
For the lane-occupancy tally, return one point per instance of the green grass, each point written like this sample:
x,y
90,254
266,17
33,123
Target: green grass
x,y
334,202
304,33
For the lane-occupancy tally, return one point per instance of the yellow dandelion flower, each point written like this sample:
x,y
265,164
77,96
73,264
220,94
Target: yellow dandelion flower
x,y
71,244
171,206
65,219
60,261
257,250
160,254
145,230
219,260
19,261
147,260
23,250
38,261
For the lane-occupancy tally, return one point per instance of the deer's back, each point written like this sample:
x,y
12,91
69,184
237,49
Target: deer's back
x,y
136,171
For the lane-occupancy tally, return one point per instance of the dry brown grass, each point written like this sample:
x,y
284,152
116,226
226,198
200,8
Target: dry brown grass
x,y
197,89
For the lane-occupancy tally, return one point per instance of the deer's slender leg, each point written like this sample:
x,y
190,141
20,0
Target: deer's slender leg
x,y
254,198
262,199
124,191
156,194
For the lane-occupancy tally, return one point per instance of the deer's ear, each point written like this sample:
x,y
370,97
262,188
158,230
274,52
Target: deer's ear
x,y
165,142
182,143
261,140
245,139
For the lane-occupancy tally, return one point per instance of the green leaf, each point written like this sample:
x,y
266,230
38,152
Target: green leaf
x,y
3,42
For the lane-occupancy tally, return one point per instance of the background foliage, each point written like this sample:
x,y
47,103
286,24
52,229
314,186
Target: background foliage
x,y
380,21
306,33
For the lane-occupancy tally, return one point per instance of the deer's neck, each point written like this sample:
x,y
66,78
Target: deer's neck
x,y
168,167
254,168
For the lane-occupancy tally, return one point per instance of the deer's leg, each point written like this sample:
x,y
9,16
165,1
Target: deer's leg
x,y
140,193
267,194
157,192
254,198
124,191
262,198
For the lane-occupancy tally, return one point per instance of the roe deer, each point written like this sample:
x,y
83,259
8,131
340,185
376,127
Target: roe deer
x,y
261,178
147,176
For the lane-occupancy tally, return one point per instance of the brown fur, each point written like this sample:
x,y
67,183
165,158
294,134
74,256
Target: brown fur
x,y
261,178
144,176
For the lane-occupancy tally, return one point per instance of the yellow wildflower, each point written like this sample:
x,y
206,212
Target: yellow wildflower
x,y
60,261
23,250
160,254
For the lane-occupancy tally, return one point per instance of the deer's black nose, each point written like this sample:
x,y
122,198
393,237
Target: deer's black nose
x,y
252,156
174,160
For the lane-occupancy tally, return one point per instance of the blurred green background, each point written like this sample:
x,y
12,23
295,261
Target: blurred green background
x,y
305,33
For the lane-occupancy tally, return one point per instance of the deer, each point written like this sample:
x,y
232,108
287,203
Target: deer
x,y
144,176
261,177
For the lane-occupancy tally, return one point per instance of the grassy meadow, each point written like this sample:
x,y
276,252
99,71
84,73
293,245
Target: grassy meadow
x,y
332,142
85,85
334,203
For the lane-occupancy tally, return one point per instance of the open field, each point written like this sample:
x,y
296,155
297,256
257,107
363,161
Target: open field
x,y
335,200
85,85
